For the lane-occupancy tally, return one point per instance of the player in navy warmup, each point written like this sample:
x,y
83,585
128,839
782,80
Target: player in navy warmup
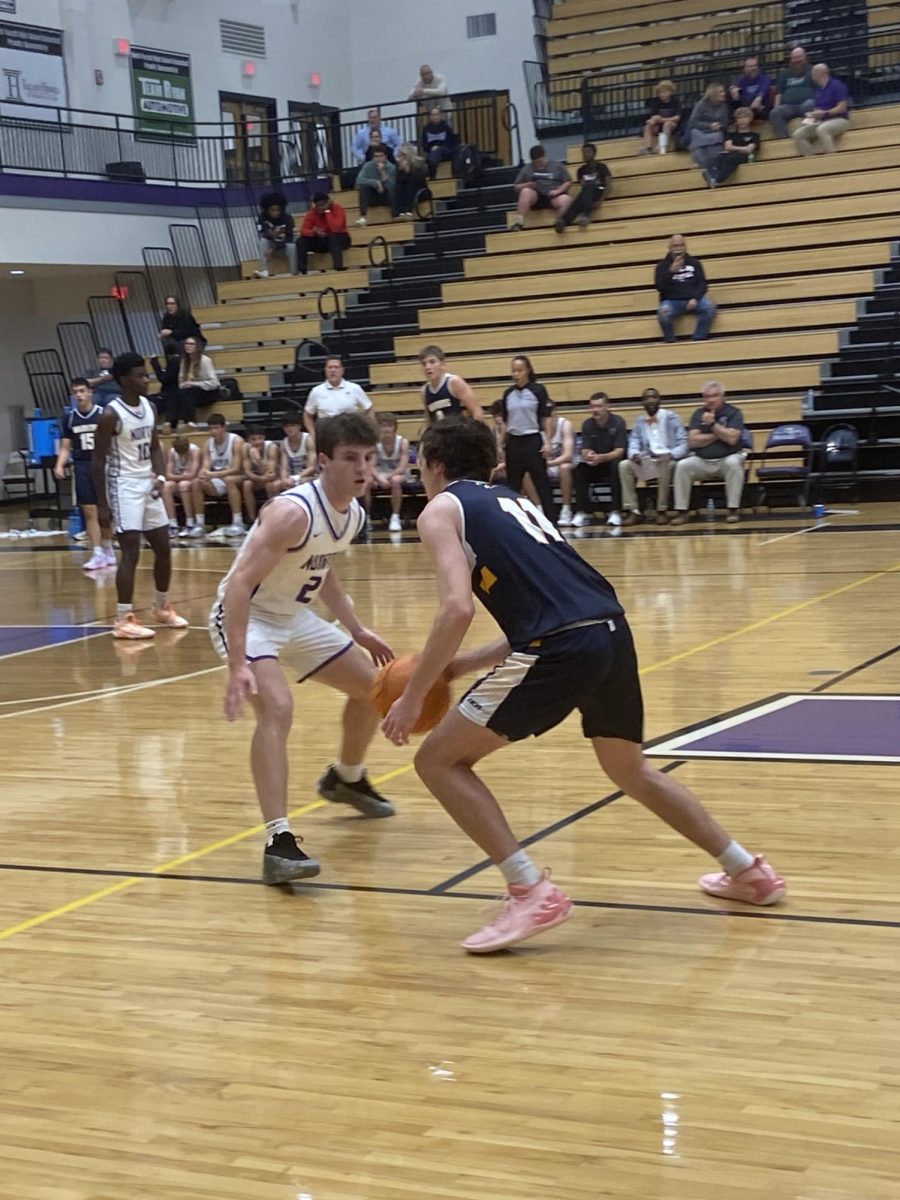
x,y
565,645
78,430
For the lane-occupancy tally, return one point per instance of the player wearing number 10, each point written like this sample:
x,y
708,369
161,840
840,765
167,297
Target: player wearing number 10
x,y
262,620
565,645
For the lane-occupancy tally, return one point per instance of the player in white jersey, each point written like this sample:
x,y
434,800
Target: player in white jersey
x,y
261,470
296,448
262,620
560,463
220,476
129,474
182,465
391,465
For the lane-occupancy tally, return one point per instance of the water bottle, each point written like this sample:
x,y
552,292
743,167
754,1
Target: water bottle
x,y
663,142
38,414
751,158
710,509
809,402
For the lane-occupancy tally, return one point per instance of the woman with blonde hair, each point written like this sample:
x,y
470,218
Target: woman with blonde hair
x,y
411,176
198,383
706,128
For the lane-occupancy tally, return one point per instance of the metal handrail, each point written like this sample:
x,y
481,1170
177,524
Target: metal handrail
x,y
381,243
510,119
424,197
337,316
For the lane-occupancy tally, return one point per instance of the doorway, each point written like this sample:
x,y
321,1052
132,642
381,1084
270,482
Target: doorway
x,y
249,138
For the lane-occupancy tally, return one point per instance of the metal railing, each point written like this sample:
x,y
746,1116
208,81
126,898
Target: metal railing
x,y
308,145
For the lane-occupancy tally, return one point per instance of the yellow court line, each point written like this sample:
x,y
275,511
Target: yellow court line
x,y
132,881
760,624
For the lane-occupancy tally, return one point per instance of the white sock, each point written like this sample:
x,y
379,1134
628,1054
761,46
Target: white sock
x,y
273,828
122,610
200,519
734,859
349,774
237,520
173,524
190,521
161,599
519,869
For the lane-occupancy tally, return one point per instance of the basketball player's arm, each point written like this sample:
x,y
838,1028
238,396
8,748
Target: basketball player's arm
x,y
105,432
271,464
237,461
481,658
195,458
340,606
65,449
281,526
439,529
467,398
157,459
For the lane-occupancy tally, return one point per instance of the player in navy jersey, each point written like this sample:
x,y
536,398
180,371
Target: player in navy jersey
x,y
79,430
565,645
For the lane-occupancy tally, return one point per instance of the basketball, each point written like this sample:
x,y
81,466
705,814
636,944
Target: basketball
x,y
393,678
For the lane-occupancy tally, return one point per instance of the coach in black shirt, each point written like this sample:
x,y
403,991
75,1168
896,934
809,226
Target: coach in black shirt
x,y
604,441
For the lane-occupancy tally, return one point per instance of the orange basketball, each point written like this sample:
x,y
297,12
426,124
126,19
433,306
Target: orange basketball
x,y
390,683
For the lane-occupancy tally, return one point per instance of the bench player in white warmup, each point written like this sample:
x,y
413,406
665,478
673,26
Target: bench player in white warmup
x,y
129,476
262,620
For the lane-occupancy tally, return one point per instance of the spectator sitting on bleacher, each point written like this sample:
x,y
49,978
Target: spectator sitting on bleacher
x,y
323,230
261,472
168,400
336,395
376,143
391,465
363,137
376,184
741,146
445,395
276,233
752,90
198,383
437,140
296,453
560,463
178,322
794,93
541,184
526,413
431,86
595,178
681,283
220,476
411,179
182,465
100,378
656,442
664,117
706,127
604,440
829,117
714,441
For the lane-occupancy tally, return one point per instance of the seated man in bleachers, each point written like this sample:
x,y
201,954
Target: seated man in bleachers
x,y
541,184
220,476
794,92
663,119
376,183
829,117
604,440
560,464
656,443
681,284
714,441
362,139
100,378
438,140
182,465
297,459
752,89
594,178
323,231
391,465
261,472
276,233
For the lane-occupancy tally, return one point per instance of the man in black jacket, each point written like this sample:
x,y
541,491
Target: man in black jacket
x,y
681,283
604,442
594,177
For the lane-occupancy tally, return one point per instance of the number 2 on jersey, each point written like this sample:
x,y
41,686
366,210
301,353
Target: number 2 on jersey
x,y
309,589
531,519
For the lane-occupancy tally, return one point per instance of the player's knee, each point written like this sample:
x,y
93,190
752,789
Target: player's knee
x,y
276,711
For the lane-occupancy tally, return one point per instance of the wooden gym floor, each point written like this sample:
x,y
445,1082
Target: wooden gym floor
x,y
170,1028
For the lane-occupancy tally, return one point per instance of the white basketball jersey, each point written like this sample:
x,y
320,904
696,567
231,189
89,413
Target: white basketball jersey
x,y
129,449
556,437
178,463
221,457
297,460
303,570
387,463
258,462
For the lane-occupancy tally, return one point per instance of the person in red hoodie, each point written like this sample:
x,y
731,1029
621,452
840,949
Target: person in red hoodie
x,y
324,229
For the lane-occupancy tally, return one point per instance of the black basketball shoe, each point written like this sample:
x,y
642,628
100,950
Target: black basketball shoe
x,y
361,796
284,861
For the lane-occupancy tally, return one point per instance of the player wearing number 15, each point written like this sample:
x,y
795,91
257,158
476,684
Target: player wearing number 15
x,y
129,475
566,645
262,621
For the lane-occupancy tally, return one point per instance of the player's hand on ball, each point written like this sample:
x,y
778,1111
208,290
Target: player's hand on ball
x,y
403,715
376,646
241,685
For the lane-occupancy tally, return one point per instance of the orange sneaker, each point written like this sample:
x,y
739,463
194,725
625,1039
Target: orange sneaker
x,y
128,627
169,617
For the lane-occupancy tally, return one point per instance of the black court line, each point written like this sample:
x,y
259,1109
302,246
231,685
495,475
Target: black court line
x,y
562,823
689,910
863,666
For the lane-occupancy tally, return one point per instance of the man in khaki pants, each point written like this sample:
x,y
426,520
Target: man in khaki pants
x,y
655,444
714,441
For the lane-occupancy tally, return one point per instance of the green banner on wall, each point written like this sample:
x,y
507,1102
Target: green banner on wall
x,y
162,91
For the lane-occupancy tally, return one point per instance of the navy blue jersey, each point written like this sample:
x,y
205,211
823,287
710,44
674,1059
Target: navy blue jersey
x,y
81,429
524,572
441,403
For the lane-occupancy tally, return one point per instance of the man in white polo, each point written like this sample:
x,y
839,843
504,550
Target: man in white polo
x,y
336,395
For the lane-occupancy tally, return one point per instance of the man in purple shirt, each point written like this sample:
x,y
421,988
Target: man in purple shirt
x,y
752,90
830,116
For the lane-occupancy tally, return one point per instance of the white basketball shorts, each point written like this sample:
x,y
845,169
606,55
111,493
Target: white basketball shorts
x,y
304,642
134,507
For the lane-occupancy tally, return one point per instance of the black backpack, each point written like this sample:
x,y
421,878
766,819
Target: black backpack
x,y
467,162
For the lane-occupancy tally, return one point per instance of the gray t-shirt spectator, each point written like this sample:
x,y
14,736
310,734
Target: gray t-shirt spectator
x,y
546,180
794,88
727,415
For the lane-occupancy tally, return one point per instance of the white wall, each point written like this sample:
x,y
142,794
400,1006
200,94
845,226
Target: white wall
x,y
101,238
